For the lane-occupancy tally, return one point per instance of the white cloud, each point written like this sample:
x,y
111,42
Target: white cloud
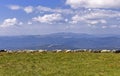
x,y
29,23
103,21
55,10
9,22
48,18
87,16
39,9
94,22
14,7
98,13
28,9
95,16
94,3
87,19
76,19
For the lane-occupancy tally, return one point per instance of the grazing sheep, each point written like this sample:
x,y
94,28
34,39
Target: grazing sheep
x,y
9,51
84,50
68,51
20,51
4,50
96,51
105,51
40,51
116,51
58,51
113,51
30,51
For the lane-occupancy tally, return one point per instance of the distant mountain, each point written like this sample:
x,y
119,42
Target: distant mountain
x,y
60,41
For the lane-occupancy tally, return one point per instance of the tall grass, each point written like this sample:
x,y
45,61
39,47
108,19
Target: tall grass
x,y
59,64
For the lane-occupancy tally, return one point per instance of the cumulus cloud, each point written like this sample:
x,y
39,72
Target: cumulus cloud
x,y
98,13
86,16
94,3
40,9
76,19
55,10
48,18
14,7
94,22
10,22
28,9
95,16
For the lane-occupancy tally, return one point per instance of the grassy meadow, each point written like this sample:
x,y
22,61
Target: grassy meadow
x,y
59,64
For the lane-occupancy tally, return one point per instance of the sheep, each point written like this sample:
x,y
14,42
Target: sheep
x,y
40,51
4,50
20,51
105,51
9,51
79,50
75,50
30,51
96,51
67,51
58,51
116,51
84,50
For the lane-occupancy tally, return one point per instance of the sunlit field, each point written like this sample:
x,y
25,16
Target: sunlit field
x,y
59,64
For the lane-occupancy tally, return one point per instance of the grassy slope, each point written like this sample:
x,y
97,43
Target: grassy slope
x,y
59,64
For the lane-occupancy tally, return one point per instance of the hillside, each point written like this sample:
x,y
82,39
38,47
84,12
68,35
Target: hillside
x,y
60,41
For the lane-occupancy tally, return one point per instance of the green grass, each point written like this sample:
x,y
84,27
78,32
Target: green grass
x,y
59,64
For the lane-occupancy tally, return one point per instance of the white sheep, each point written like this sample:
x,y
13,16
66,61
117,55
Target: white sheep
x,y
30,51
105,51
67,51
58,51
9,51
41,51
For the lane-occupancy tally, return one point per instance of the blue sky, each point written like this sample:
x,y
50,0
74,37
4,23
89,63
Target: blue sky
x,y
36,17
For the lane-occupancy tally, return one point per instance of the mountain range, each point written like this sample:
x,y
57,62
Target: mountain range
x,y
60,41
